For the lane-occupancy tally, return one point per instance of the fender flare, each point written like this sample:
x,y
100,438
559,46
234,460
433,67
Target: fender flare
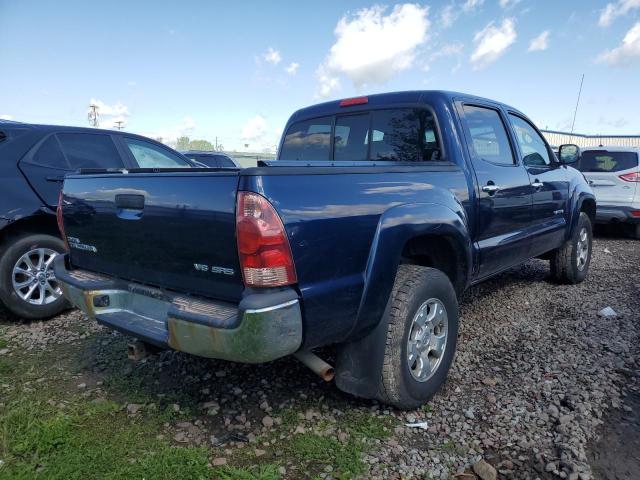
x,y
579,195
359,362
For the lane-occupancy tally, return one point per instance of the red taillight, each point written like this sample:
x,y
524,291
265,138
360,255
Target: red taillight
x,y
61,221
635,213
263,247
347,102
631,177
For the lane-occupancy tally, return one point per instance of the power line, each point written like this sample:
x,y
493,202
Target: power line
x,y
119,124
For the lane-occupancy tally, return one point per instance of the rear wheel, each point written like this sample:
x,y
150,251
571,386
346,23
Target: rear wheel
x,y
421,336
570,263
28,286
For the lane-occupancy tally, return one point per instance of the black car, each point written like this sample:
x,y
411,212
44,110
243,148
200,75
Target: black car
x,y
211,159
33,162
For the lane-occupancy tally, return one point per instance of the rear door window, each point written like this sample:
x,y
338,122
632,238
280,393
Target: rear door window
x,y
308,140
50,155
89,151
149,155
488,135
604,161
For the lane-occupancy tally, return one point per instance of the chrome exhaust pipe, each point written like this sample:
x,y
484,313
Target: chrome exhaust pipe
x,y
136,351
316,365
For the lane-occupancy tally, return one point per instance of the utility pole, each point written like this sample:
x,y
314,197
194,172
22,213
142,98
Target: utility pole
x,y
93,115
118,124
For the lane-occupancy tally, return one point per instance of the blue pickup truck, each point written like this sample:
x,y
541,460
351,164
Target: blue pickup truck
x,y
378,213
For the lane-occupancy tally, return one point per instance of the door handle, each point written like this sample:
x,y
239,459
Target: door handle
x,y
130,201
537,185
490,188
55,178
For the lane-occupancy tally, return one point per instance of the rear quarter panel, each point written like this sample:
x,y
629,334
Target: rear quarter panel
x,y
335,222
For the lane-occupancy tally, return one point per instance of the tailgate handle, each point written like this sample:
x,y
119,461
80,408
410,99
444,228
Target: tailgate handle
x,y
130,201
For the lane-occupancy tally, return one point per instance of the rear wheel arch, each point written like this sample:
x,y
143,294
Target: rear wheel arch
x,y
588,206
442,252
42,223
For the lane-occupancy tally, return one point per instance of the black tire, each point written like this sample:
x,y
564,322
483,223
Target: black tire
x,y
413,287
635,231
8,259
564,260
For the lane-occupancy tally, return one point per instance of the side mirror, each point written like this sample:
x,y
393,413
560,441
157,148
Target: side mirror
x,y
569,154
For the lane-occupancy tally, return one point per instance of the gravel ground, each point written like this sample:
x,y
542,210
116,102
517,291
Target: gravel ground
x,y
541,387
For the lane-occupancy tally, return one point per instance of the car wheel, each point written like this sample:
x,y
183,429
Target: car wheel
x,y
421,337
28,287
570,263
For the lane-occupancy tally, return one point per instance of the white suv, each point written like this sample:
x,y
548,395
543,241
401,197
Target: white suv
x,y
614,175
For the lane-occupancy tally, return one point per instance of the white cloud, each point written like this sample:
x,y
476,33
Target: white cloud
x,y
258,135
108,115
131,83
492,42
447,50
617,123
170,134
614,10
539,43
372,47
6,117
508,3
117,109
272,56
469,5
292,68
254,129
448,16
628,51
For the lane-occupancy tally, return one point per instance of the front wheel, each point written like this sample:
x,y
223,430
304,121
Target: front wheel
x,y
28,286
570,263
421,337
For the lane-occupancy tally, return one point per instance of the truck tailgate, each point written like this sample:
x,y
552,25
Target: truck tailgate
x,y
172,230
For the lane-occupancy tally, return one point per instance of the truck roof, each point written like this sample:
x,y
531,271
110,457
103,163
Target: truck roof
x,y
393,98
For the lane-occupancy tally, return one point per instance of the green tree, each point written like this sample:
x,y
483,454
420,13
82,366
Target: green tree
x,y
203,145
182,143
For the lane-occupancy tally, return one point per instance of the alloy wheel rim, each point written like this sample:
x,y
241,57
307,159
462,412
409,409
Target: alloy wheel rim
x,y
427,339
33,278
582,249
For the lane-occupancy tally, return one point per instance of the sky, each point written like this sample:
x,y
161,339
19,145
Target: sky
x,y
238,70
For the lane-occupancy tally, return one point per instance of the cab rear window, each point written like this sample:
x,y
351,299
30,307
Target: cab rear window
x,y
397,135
605,161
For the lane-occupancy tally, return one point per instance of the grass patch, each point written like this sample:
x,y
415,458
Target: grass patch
x,y
315,452
5,367
92,441
3,343
256,472
366,425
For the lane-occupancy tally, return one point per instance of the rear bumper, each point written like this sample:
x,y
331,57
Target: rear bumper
x,y
265,326
613,213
